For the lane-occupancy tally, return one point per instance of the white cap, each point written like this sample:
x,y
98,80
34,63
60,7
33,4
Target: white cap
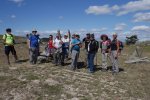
x,y
34,30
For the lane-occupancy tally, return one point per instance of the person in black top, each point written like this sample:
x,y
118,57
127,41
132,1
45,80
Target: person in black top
x,y
86,41
92,49
114,51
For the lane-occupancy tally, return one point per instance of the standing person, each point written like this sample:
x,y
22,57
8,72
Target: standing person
x,y
75,45
105,46
58,54
66,42
9,45
114,52
51,48
33,44
92,49
86,42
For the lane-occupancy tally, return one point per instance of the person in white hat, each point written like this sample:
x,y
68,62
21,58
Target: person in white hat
x,y
66,42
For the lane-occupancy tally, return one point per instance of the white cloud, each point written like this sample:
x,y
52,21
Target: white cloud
x,y
143,28
18,2
120,27
132,6
142,17
97,10
13,16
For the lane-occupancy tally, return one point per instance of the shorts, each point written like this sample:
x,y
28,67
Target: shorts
x,y
9,49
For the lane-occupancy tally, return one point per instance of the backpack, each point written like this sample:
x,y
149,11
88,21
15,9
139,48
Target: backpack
x,y
97,45
121,45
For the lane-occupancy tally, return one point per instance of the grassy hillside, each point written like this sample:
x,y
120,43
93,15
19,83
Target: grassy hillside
x,y
45,81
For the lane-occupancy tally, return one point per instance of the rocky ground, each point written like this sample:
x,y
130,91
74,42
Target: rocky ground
x,y
22,81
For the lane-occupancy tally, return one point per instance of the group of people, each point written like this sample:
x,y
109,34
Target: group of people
x,y
60,48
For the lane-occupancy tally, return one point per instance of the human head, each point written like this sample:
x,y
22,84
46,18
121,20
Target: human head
x,y
92,36
65,36
115,35
77,36
58,37
88,35
104,37
34,31
8,30
50,37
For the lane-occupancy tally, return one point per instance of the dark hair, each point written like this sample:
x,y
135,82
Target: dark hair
x,y
50,35
88,34
8,30
92,36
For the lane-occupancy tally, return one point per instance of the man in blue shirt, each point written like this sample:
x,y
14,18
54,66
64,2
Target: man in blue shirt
x,y
33,44
76,45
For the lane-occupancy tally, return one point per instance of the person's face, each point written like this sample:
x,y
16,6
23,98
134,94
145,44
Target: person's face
x,y
114,36
50,37
88,36
57,37
9,32
34,32
77,37
104,38
91,38
65,37
73,36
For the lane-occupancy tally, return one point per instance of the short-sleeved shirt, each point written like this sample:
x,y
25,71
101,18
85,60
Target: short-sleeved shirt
x,y
34,41
66,42
57,43
9,39
76,47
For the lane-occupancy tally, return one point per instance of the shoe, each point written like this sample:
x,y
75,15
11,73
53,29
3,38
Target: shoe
x,y
91,71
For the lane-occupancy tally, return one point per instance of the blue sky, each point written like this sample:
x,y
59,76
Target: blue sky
x,y
126,17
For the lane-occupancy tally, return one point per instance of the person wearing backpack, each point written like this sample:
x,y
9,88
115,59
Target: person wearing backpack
x,y
105,46
86,41
114,52
33,44
9,45
92,49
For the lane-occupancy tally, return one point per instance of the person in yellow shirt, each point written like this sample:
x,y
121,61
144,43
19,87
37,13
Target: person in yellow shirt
x,y
9,44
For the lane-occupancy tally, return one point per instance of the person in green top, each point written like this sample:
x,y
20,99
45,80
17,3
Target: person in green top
x,y
9,44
